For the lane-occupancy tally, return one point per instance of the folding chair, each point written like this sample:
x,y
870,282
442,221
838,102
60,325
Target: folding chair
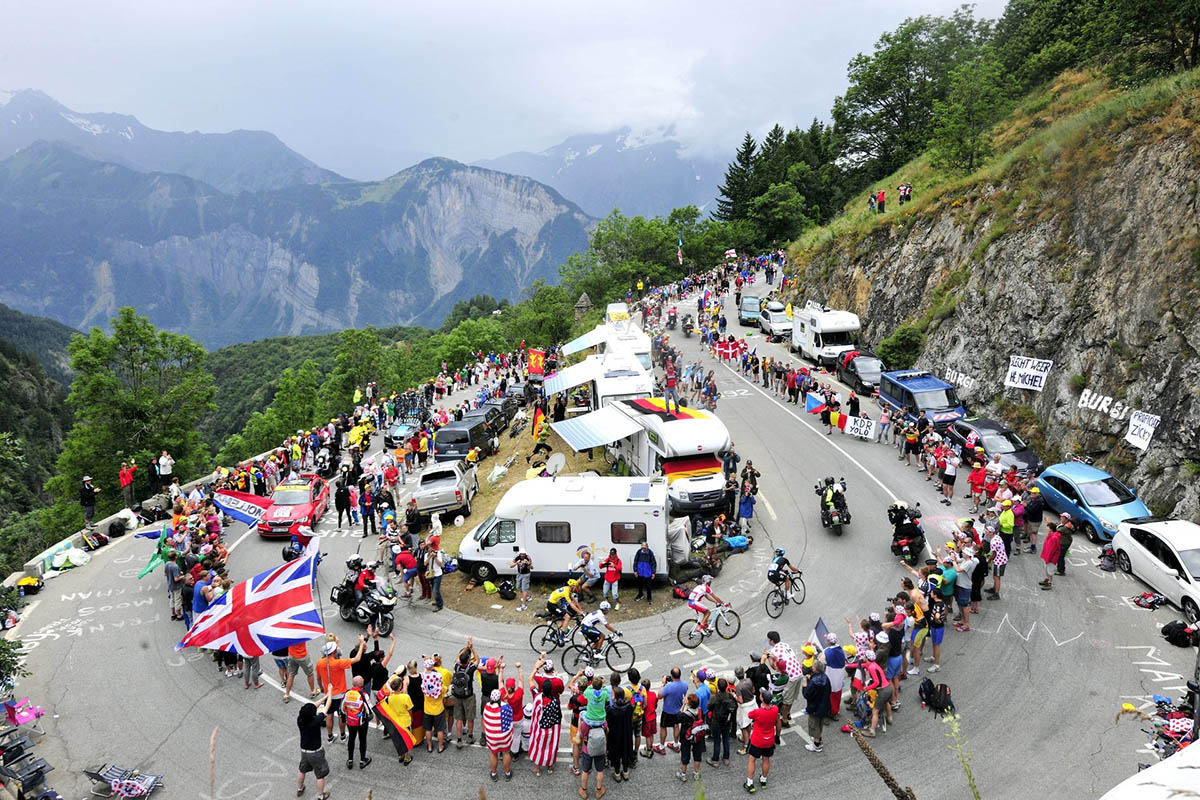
x,y
24,712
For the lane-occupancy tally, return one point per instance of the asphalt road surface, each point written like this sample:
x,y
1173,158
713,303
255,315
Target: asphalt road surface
x,y
1038,681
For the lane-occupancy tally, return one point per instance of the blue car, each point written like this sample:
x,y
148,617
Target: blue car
x,y
1095,499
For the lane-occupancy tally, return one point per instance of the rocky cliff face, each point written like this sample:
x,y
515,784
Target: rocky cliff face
x,y
1088,255
80,238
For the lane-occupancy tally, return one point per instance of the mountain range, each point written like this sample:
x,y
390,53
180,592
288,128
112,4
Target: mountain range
x,y
239,161
647,174
81,237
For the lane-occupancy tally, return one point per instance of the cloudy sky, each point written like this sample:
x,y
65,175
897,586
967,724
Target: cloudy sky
x,y
367,87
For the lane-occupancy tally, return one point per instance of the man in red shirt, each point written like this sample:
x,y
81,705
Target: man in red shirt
x,y
128,470
762,739
669,392
612,574
390,476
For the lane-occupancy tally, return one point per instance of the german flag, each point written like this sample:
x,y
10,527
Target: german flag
x,y
690,467
539,420
400,735
658,405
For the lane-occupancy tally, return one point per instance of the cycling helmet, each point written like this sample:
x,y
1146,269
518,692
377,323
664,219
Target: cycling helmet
x,y
605,605
573,584
706,579
779,551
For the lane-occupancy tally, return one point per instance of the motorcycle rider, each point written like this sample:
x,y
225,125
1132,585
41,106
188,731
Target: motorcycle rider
x,y
780,570
365,581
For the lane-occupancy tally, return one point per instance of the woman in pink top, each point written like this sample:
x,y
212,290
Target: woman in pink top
x,y
1050,555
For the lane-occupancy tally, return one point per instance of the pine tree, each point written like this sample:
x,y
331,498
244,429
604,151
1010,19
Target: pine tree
x,y
771,164
738,189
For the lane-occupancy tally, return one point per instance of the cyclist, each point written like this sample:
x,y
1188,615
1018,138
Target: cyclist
x,y
561,603
696,600
780,570
590,625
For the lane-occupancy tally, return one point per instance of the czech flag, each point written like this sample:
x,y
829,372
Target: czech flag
x,y
814,403
537,361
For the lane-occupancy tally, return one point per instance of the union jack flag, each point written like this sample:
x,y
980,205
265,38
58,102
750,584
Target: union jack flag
x,y
273,609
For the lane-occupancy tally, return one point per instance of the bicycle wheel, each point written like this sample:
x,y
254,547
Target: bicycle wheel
x,y
798,590
543,639
728,624
575,658
689,634
775,603
620,656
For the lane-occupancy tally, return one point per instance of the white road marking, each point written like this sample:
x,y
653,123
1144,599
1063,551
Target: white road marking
x,y
241,539
817,433
763,496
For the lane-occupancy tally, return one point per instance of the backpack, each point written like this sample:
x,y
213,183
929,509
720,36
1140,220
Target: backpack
x,y
680,592
939,700
1179,634
460,683
507,590
116,529
596,741
93,540
1149,600
925,690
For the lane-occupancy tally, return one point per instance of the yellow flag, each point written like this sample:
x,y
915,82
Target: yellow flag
x,y
788,310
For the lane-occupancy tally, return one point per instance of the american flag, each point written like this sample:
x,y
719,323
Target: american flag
x,y
273,609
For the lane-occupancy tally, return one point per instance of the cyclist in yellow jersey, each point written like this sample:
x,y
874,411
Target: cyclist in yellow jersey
x,y
562,600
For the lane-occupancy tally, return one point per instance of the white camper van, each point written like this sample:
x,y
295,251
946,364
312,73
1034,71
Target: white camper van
x,y
608,377
552,518
822,334
644,439
616,314
630,340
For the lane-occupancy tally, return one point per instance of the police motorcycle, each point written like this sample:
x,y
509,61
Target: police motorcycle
x,y
375,606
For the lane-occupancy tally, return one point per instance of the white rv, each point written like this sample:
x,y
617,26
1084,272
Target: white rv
x,y
821,334
609,377
616,314
630,340
644,439
552,518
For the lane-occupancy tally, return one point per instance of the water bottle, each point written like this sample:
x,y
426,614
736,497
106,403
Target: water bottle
x,y
20,591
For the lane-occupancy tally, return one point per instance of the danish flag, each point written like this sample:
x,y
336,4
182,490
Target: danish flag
x,y
272,610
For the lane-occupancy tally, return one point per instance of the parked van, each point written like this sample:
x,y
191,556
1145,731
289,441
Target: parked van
x,y
822,334
924,394
452,442
748,310
552,518
631,340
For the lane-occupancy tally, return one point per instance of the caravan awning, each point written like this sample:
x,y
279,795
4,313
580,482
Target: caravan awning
x,y
590,339
595,429
572,376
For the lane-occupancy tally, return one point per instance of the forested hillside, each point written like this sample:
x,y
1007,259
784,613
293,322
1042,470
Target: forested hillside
x,y
45,339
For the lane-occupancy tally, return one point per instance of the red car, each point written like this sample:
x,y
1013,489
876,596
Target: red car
x,y
293,504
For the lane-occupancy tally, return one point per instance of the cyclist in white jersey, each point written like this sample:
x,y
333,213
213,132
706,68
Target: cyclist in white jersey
x,y
590,625
697,596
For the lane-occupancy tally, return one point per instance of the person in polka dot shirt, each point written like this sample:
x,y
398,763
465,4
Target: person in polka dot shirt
x,y
783,659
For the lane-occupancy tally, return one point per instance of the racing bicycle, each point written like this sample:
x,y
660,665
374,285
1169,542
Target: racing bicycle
x,y
725,622
546,638
779,597
618,654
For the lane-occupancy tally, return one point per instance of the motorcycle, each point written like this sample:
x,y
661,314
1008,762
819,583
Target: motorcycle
x,y
838,514
908,536
374,609
672,319
688,326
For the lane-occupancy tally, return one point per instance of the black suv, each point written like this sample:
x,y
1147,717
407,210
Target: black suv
x,y
507,406
492,417
994,437
862,373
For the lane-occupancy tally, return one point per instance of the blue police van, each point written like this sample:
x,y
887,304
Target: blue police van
x,y
923,394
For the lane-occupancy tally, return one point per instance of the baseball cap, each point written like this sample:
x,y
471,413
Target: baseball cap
x,y
755,657
1035,490
429,663
491,665
874,616
882,638
831,637
1006,503
329,648
869,655
495,695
